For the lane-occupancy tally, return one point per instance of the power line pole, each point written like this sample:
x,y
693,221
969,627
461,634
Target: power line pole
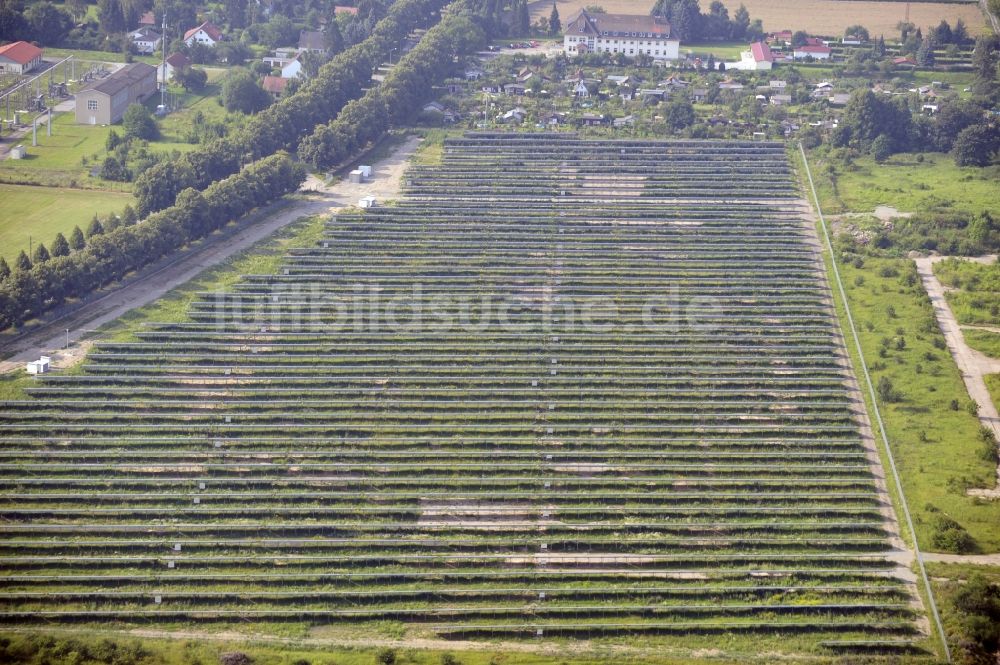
x,y
163,64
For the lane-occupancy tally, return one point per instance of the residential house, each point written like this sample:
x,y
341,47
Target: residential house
x,y
730,84
312,41
904,61
145,40
206,34
514,89
618,80
620,33
699,95
173,62
104,101
627,121
293,68
780,100
581,90
474,74
779,38
839,99
19,58
341,9
777,84
757,58
813,48
274,85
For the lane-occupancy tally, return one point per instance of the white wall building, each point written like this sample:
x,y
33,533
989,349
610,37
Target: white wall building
x,y
620,33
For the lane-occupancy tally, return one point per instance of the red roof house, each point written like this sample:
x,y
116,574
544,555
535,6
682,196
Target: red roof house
x,y
275,85
206,34
19,57
341,9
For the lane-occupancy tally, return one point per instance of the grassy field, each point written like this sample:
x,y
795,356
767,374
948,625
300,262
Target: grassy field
x,y
935,184
934,439
44,211
823,17
58,159
993,385
983,341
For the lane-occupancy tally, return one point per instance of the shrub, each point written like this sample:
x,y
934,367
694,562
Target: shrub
x,y
235,658
950,536
385,657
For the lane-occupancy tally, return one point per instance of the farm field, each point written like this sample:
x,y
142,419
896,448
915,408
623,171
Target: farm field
x,y
821,17
42,212
544,396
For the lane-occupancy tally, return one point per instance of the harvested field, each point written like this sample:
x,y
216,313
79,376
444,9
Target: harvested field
x,y
824,17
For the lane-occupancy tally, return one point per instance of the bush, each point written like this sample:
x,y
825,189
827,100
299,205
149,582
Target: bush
x,y
950,536
235,658
887,391
385,657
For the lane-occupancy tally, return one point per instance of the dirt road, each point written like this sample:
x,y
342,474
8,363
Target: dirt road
x,y
50,339
971,363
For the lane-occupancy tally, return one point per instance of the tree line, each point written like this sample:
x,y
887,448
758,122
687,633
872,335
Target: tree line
x,y
398,99
85,265
282,125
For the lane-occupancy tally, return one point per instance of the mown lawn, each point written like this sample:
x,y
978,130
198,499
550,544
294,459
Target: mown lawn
x,y
58,159
41,212
933,437
903,182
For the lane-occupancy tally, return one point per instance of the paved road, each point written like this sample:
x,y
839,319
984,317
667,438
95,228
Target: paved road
x,y
50,338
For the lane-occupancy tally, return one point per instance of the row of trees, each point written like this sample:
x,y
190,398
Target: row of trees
x,y
107,256
400,96
689,24
282,125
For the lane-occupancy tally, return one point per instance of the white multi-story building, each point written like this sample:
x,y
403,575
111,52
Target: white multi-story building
x,y
620,33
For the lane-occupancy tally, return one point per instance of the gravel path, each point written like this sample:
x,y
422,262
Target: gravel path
x,y
971,363
50,338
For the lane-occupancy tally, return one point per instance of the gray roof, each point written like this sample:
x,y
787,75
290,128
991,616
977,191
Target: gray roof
x,y
125,77
614,25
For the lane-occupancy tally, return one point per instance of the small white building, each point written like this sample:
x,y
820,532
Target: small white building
x,y
366,170
18,152
40,366
367,202
355,177
145,40
757,58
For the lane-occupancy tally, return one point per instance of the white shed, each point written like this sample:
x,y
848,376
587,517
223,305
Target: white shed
x,y
39,366
366,170
367,202
18,152
356,176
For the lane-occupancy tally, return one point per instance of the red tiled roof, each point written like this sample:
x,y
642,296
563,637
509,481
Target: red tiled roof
x,y
812,48
20,52
177,60
341,9
209,29
274,84
147,19
761,52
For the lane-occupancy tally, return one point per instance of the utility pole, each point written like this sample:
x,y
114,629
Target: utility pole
x,y
48,125
67,339
34,131
163,63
